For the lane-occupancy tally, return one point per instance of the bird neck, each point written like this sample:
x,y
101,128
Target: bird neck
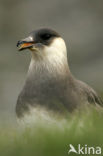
x,y
48,68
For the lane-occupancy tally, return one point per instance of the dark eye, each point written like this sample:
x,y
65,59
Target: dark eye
x,y
46,36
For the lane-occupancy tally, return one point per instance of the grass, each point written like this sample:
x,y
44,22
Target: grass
x,y
53,139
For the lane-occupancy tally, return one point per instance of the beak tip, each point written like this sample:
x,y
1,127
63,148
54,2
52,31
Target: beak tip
x,y
18,43
24,44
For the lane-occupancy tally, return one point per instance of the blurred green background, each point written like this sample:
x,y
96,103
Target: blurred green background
x,y
79,22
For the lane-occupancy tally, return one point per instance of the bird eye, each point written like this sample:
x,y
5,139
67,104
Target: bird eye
x,y
45,36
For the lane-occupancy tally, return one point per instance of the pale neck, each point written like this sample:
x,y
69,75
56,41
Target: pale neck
x,y
50,67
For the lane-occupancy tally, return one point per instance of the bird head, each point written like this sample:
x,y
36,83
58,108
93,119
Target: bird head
x,y
44,42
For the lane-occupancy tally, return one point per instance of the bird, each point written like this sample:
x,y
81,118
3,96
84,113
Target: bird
x,y
50,84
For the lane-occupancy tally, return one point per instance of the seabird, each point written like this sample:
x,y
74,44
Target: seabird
x,y
50,84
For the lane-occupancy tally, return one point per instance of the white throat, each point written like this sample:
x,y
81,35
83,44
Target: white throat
x,y
52,58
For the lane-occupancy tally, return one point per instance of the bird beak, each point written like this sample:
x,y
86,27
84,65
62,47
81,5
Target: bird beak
x,y
25,43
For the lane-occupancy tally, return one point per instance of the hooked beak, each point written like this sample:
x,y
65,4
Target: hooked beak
x,y
25,43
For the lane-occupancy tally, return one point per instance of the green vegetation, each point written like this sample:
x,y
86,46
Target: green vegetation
x,y
53,139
